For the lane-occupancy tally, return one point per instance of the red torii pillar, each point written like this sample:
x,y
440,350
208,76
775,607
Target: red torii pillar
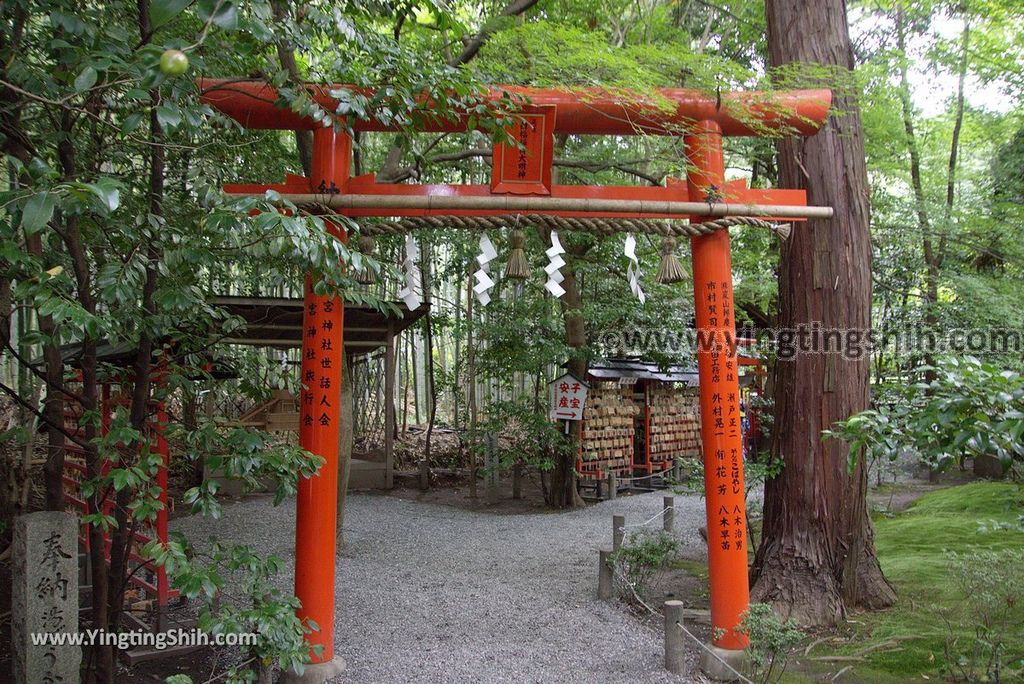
x,y
316,505
720,425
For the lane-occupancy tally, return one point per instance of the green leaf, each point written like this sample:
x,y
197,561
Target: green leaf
x,y
37,212
86,79
169,117
162,11
120,478
139,94
131,122
225,16
106,189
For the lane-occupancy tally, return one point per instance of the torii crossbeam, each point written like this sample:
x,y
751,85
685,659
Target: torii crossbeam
x,y
522,183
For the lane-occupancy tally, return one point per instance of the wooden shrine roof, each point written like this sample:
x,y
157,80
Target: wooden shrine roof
x,y
633,369
277,322
272,322
638,369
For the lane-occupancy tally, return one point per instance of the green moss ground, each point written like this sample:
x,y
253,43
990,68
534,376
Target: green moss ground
x,y
911,547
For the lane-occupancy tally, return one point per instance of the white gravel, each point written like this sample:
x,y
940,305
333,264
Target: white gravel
x,y
429,593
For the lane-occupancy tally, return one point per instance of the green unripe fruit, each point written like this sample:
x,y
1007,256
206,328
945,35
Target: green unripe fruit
x,y
173,63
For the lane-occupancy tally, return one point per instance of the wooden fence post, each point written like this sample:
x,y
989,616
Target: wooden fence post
x,y
675,654
604,576
517,481
618,531
424,475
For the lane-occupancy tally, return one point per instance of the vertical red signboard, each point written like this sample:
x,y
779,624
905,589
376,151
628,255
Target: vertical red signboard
x,y
524,168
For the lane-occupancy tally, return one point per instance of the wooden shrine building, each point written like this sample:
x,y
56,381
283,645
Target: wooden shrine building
x,y
641,418
277,322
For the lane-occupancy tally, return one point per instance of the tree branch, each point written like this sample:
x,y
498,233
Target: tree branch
x,y
473,45
28,365
592,166
41,415
286,55
390,171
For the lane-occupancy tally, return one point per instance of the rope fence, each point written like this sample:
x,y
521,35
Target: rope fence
x,y
739,675
613,480
654,517
611,575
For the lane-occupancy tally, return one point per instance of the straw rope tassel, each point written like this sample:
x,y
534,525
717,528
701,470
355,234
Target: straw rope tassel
x,y
669,270
518,266
366,275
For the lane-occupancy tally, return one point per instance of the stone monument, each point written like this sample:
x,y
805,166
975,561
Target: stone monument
x,y
44,603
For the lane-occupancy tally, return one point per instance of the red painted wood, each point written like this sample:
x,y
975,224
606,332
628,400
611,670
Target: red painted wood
x,y
721,439
580,111
316,503
525,169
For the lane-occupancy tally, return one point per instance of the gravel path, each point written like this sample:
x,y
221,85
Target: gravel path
x,y
429,593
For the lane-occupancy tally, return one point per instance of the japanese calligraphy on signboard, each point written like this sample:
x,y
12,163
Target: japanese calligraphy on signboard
x,y
568,396
321,366
44,598
524,167
725,483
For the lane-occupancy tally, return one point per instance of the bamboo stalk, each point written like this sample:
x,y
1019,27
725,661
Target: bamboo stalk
x,y
471,386
518,204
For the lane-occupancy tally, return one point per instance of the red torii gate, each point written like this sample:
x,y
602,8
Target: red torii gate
x,y
521,183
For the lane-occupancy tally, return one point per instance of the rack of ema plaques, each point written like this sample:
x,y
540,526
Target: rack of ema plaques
x,y
671,424
608,432
637,430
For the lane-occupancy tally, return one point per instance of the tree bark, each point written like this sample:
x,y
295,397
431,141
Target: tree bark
x,y
428,370
563,493
954,146
72,237
121,537
817,557
286,55
53,403
471,387
473,45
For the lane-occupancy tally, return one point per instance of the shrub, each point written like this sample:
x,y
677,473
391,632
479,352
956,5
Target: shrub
x,y
771,641
524,433
642,555
991,585
970,409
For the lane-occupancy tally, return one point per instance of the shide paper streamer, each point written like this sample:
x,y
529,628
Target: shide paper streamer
x,y
410,293
483,281
555,277
633,272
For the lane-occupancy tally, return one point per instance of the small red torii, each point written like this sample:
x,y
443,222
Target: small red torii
x,y
521,183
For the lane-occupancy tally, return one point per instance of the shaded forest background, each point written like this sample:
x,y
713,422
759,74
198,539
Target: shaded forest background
x,y
113,230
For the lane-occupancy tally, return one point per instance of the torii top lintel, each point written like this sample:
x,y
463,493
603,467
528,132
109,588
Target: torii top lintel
x,y
580,111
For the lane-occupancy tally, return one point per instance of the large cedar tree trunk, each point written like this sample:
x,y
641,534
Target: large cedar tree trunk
x,y
817,557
